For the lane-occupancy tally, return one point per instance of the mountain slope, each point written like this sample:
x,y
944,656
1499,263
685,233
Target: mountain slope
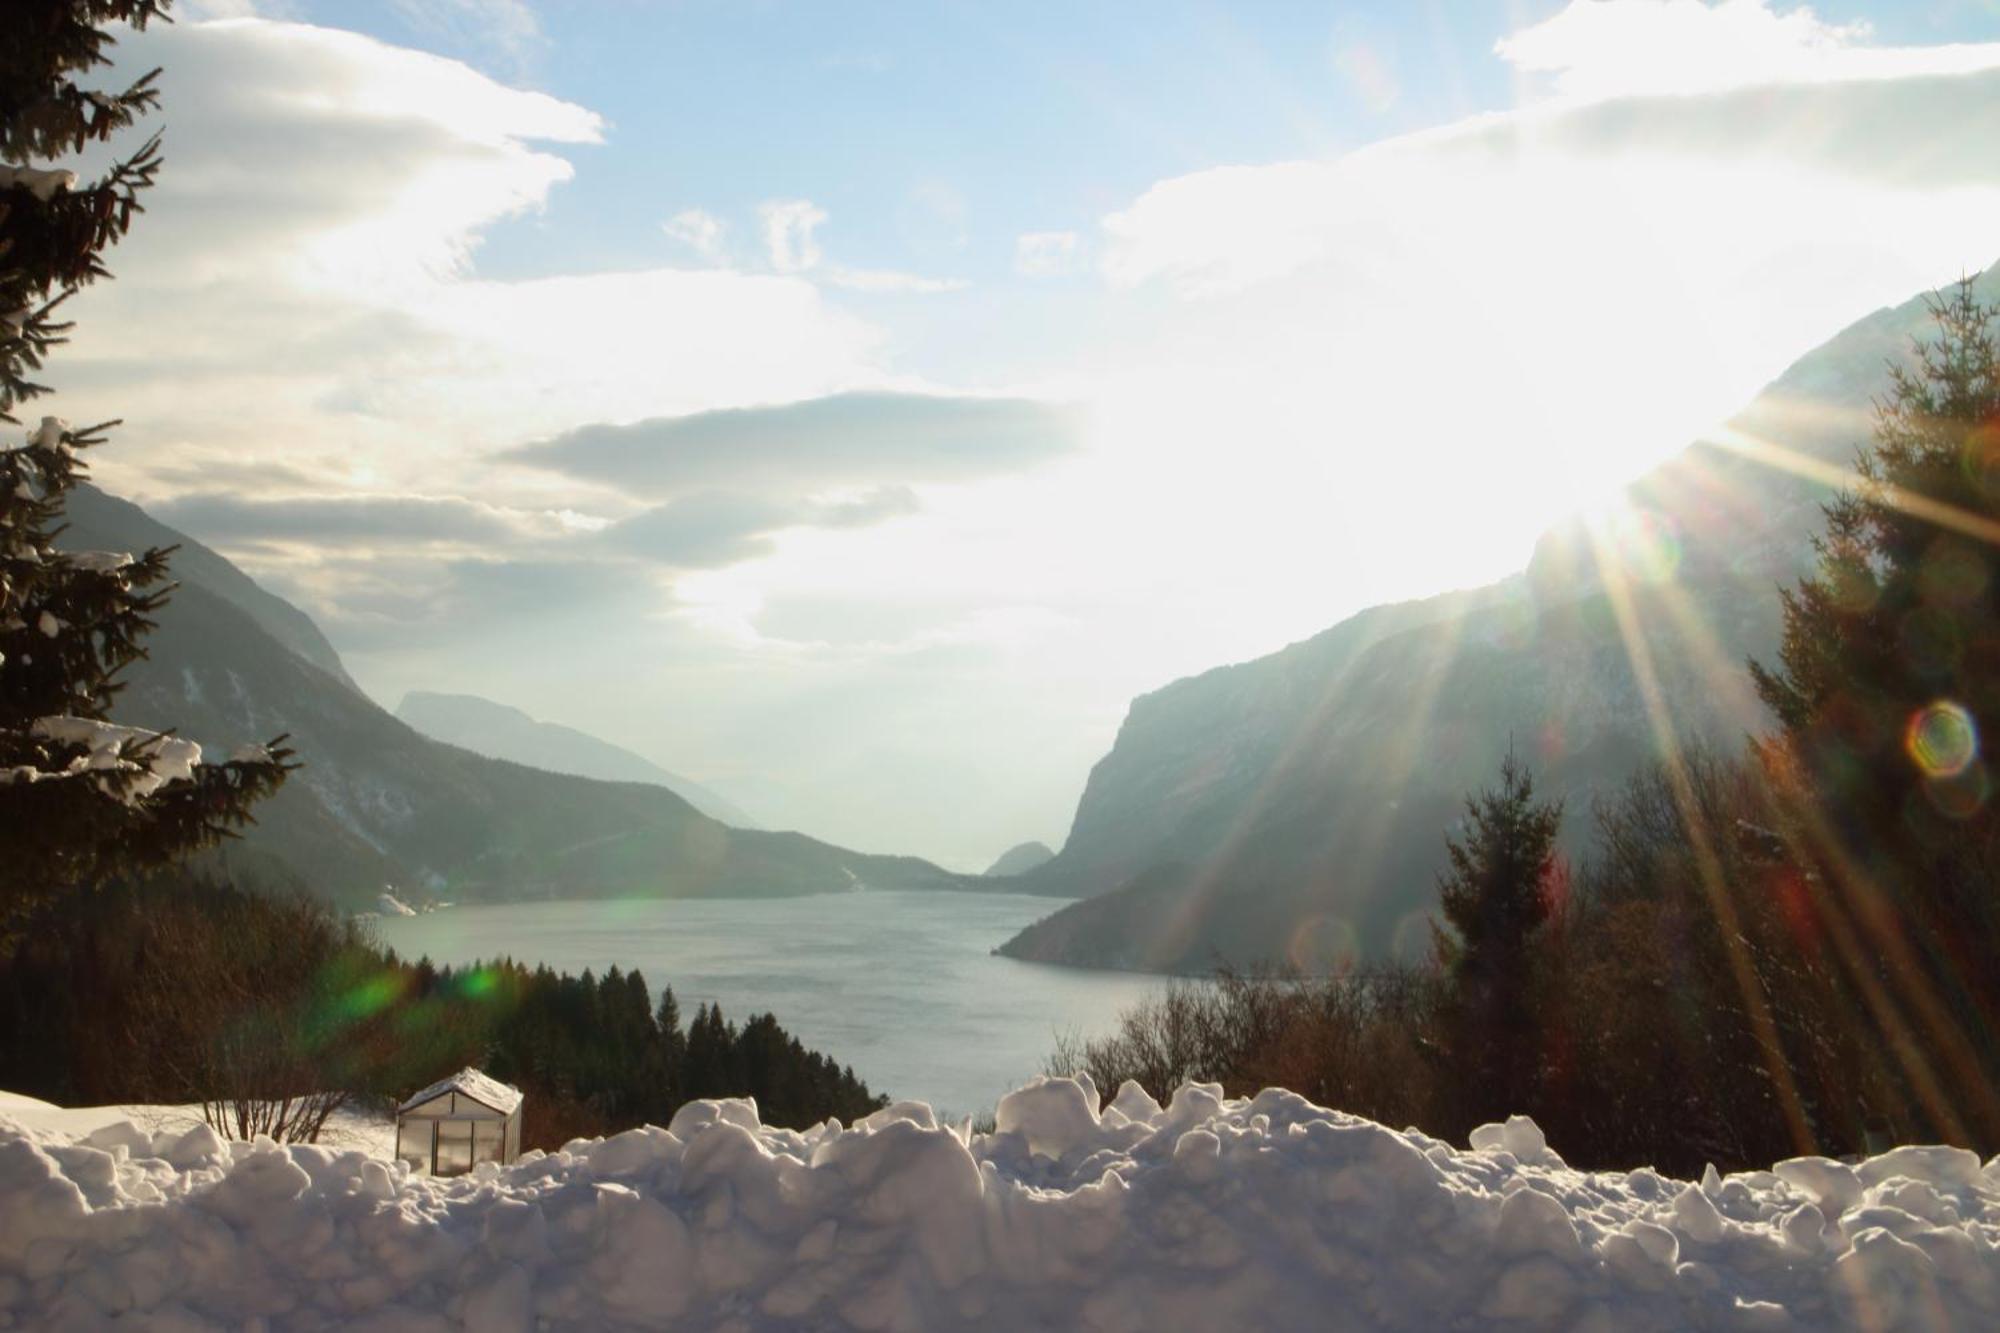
x,y
500,732
104,522
377,802
1294,807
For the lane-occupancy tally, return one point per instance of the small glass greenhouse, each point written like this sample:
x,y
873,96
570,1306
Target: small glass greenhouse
x,y
458,1122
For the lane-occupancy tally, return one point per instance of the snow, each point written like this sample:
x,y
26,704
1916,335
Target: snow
x,y
362,1130
165,758
391,905
1208,1213
98,562
49,435
42,182
487,1091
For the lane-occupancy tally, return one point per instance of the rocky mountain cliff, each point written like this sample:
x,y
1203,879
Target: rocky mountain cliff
x,y
502,732
1294,807
379,803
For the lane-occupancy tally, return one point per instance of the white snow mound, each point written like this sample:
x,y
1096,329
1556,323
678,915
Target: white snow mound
x,y
1208,1213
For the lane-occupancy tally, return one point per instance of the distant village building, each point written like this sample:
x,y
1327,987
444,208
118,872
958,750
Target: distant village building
x,y
458,1122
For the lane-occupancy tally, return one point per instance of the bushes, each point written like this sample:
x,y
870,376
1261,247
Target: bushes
x,y
1368,1044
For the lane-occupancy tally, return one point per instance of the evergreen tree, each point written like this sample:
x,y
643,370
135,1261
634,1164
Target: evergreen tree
x,y
1890,662
673,1054
1888,679
1495,894
79,797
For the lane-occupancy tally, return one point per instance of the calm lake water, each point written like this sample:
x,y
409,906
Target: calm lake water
x,y
899,985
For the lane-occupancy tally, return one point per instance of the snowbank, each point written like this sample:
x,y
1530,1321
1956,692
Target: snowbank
x,y
365,1130
1268,1213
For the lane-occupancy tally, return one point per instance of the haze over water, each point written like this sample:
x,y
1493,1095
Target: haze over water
x,y
902,986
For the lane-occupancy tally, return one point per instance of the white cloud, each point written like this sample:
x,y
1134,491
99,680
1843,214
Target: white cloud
x,y
1044,254
699,231
1618,48
1509,316
280,301
788,233
882,280
789,238
1749,161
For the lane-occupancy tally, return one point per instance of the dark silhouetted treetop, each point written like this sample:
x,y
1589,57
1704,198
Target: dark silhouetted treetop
x,y
80,797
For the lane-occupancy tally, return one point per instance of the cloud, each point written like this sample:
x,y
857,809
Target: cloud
x,y
716,529
698,231
878,280
793,247
366,521
702,531
1046,254
304,275
869,508
1595,49
788,233
846,440
1760,164
409,608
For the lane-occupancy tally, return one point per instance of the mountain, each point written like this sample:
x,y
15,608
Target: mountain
x,y
98,521
1019,860
379,803
500,732
1294,807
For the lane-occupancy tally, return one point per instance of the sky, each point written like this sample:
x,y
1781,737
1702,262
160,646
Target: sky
x,y
853,407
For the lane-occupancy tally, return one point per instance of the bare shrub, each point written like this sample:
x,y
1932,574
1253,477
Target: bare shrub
x,y
265,1014
1356,1042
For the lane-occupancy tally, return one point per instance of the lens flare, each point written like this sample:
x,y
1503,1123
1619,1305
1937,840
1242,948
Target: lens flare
x,y
1322,943
1981,457
1963,795
371,996
1953,573
1645,543
1942,739
1929,640
1414,940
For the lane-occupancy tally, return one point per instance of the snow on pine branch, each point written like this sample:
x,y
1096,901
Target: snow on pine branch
x,y
129,763
98,562
45,183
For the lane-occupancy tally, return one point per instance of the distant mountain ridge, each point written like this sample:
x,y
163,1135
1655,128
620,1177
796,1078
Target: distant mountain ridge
x,y
499,731
1020,859
1294,807
377,803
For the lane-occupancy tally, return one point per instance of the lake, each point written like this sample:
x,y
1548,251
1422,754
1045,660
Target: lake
x,y
901,986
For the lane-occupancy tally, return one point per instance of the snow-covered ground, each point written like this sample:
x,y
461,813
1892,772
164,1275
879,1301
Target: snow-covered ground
x,y
1209,1214
369,1132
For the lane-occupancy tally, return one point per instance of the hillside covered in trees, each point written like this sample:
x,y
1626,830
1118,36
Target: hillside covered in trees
x,y
179,989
